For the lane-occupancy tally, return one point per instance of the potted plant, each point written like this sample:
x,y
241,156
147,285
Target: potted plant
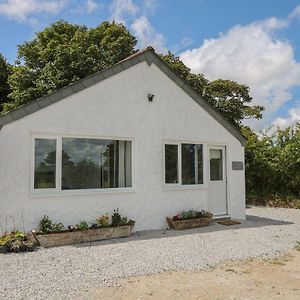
x,y
54,234
190,219
15,241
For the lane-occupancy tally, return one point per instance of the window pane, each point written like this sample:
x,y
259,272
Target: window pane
x,y
192,163
216,164
95,163
44,163
171,163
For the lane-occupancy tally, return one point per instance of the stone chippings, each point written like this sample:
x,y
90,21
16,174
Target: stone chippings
x,y
74,271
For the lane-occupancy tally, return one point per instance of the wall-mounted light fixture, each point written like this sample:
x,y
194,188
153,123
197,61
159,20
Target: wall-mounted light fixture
x,y
150,97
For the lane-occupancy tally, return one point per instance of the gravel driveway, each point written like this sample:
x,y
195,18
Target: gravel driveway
x,y
74,271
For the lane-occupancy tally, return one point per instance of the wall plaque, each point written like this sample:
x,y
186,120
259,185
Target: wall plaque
x,y
237,165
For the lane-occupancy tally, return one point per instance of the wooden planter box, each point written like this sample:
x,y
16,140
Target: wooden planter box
x,y
189,223
76,237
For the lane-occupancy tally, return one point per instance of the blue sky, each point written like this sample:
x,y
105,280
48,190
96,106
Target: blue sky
x,y
254,42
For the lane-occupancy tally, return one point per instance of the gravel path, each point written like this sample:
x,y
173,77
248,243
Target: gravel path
x,y
74,271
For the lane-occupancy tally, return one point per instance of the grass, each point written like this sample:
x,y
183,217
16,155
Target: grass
x,y
231,270
280,261
297,247
276,261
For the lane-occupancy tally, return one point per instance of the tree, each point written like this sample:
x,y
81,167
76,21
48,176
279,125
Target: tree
x,y
230,98
272,163
4,87
197,81
63,53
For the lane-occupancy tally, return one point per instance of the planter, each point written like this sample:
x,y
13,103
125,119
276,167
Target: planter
x,y
188,223
76,237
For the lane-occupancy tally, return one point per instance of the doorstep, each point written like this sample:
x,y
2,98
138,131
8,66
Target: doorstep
x,y
221,217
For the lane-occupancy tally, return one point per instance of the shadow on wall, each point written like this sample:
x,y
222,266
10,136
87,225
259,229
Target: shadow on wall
x,y
252,221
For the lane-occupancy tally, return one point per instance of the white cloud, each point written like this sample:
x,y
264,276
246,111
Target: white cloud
x,y
136,14
149,6
146,34
91,6
22,10
254,55
122,9
292,118
295,13
183,44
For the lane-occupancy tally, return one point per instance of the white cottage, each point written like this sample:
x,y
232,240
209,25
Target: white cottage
x,y
134,137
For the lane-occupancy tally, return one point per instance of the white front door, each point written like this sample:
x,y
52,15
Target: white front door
x,y
217,190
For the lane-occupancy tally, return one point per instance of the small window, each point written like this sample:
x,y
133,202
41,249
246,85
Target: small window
x,y
45,164
171,163
216,165
95,163
192,163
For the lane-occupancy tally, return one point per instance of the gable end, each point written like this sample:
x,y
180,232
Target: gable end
x,y
147,55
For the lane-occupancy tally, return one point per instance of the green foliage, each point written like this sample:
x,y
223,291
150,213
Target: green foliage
x,y
274,200
124,221
103,221
272,163
231,100
4,87
192,214
228,97
116,218
83,225
47,226
189,214
63,53
16,241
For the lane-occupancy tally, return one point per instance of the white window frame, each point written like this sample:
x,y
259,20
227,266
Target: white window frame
x,y
179,185
57,191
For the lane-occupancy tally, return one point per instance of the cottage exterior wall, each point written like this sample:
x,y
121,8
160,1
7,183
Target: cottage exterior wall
x,y
117,107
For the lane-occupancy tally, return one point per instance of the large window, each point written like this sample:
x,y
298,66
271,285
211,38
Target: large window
x,y
190,170
82,163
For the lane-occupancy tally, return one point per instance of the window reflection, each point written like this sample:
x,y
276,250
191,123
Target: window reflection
x,y
171,163
192,163
216,165
95,163
45,163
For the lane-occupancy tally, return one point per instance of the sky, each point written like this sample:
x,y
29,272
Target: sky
x,y
255,42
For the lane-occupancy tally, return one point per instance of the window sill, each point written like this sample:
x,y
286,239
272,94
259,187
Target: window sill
x,y
177,187
63,193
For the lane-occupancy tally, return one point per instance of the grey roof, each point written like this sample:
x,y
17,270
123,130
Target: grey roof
x,y
149,55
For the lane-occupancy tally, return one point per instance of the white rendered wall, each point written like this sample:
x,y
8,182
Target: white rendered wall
x,y
117,108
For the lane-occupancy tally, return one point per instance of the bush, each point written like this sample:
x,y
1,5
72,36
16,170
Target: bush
x,y
16,241
103,221
192,214
47,226
83,225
